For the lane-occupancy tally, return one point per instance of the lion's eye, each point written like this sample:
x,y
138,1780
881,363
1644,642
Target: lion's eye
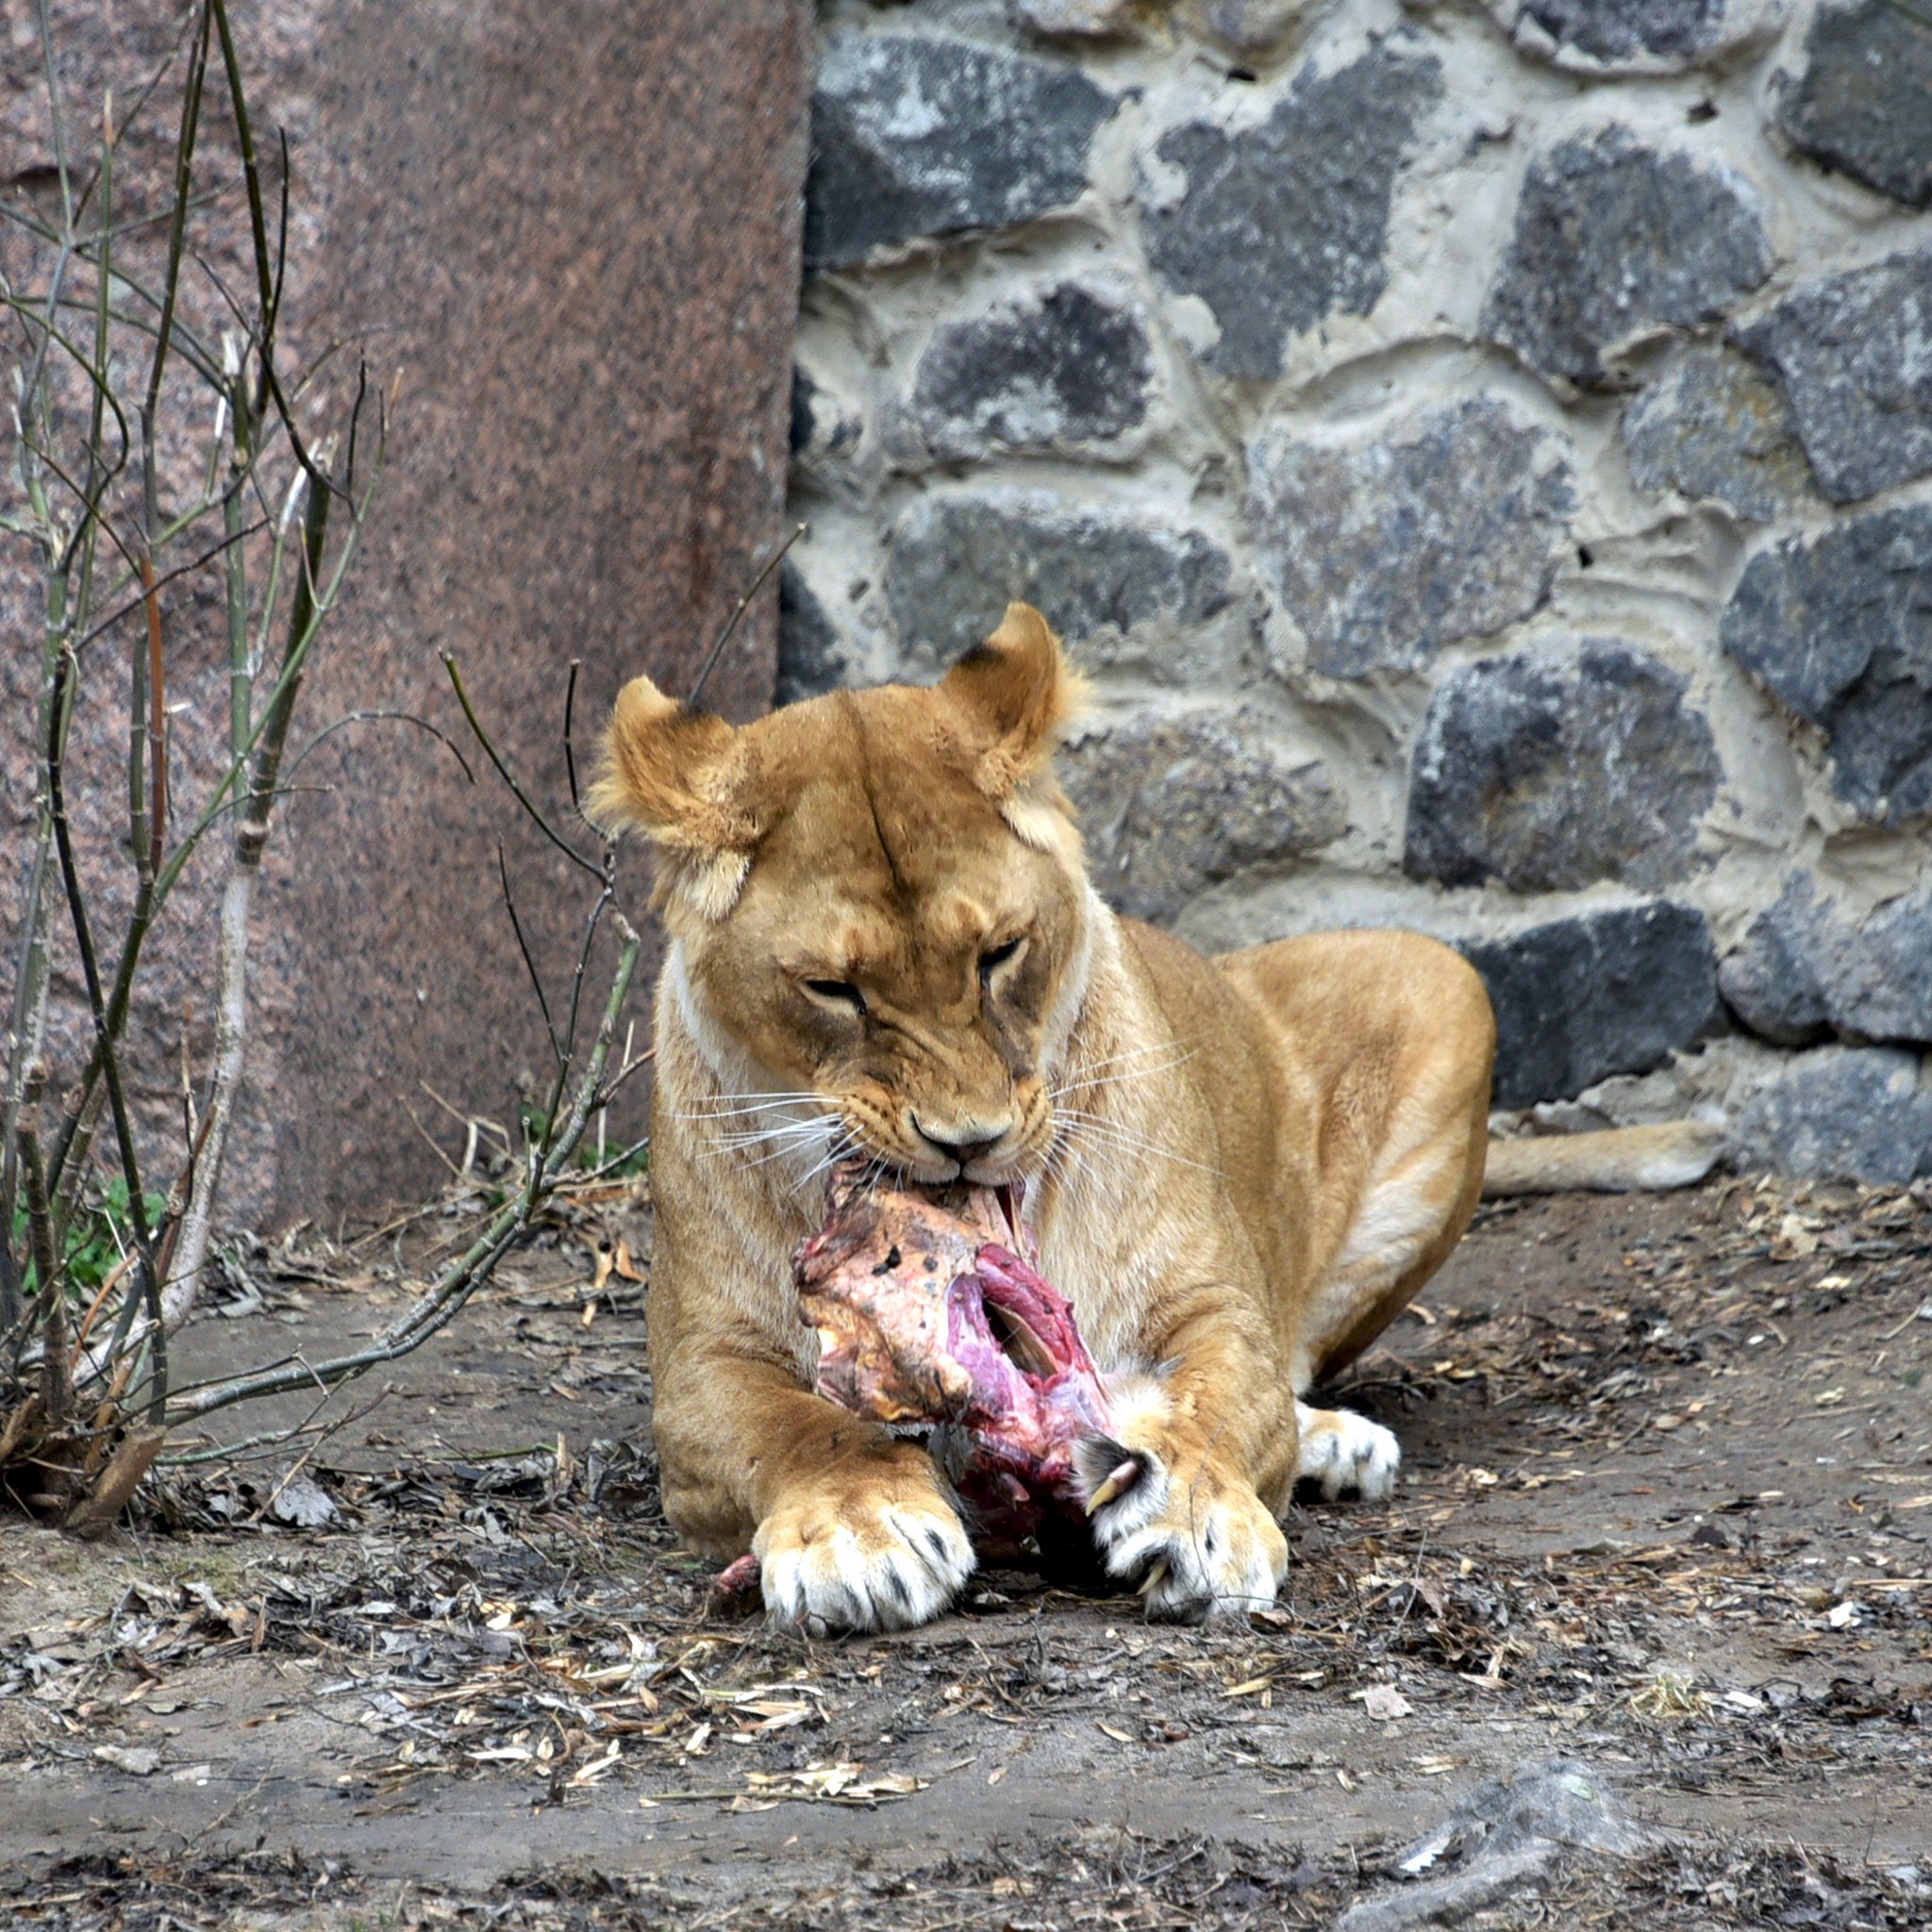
x,y
995,956
837,993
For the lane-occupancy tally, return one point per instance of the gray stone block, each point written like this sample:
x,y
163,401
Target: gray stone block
x,y
1074,18
1064,367
957,562
1804,968
823,425
1841,628
1614,241
1171,806
1842,1113
1384,551
1558,766
1614,32
1863,103
1283,224
1714,430
1877,974
915,136
1607,993
1772,981
812,659
1854,355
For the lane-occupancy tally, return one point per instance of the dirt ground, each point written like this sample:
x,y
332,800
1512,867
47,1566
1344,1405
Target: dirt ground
x,y
1664,1513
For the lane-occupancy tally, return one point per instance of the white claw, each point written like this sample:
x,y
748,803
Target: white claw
x,y
888,1568
1121,1478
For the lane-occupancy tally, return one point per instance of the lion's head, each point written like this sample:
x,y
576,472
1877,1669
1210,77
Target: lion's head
x,y
878,912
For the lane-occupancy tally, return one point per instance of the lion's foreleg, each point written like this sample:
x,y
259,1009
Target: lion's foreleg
x,y
1177,1494
852,1530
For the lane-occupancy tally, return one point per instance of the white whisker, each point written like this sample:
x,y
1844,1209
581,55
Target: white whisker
x,y
749,1136
727,1105
1116,1074
843,1145
788,1150
1138,1052
1122,1138
1077,1183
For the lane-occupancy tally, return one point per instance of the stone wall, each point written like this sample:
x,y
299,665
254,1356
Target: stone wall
x,y
1484,457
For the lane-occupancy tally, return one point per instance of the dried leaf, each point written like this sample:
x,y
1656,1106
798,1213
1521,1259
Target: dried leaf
x,y
305,1504
841,1781
590,1773
1793,1241
1383,1702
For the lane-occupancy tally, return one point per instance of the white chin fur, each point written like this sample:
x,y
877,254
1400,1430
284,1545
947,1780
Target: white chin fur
x,y
1342,1451
904,1572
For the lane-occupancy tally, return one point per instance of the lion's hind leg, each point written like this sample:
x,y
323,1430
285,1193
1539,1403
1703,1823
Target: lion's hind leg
x,y
1342,1451
1413,1208
1386,1040
1383,1044
1416,1200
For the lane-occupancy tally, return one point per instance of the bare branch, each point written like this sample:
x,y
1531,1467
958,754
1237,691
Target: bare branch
x,y
744,604
503,771
435,1308
570,753
516,925
349,718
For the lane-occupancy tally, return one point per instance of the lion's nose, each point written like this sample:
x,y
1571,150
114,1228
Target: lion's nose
x,y
964,1142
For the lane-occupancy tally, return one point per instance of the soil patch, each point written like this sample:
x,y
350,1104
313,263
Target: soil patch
x,y
1664,1511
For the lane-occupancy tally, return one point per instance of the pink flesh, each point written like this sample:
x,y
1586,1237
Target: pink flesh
x,y
911,1290
735,1588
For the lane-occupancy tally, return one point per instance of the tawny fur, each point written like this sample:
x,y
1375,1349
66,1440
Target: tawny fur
x,y
1619,1160
1240,1169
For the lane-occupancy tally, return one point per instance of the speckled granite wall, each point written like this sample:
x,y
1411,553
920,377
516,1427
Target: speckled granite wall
x,y
574,231
1483,456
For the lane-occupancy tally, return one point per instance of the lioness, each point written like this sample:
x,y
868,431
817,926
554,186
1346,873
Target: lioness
x,y
882,940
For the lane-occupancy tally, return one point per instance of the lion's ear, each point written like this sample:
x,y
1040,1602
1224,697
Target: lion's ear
x,y
1016,690
678,776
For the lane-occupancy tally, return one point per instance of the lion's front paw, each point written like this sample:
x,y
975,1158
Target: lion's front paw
x,y
884,1552
1200,1542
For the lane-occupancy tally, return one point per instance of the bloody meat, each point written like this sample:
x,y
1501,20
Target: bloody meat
x,y
931,1314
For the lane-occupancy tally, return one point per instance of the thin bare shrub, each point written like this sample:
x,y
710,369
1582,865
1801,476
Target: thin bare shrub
x,y
107,1241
